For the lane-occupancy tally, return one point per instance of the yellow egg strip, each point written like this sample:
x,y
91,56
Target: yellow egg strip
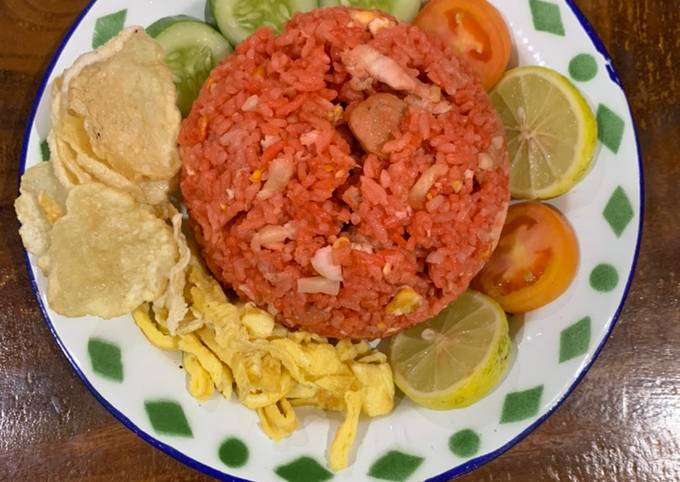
x,y
220,373
152,332
278,420
338,456
201,385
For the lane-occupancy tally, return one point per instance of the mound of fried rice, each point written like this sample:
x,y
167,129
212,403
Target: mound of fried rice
x,y
293,214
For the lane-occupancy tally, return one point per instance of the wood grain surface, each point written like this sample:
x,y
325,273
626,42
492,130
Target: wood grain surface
x,y
622,423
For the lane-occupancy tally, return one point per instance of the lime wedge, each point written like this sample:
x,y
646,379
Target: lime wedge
x,y
551,131
454,359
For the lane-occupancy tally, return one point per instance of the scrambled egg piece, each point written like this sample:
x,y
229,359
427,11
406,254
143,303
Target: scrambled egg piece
x,y
201,385
240,348
219,373
406,301
342,443
259,323
152,330
278,420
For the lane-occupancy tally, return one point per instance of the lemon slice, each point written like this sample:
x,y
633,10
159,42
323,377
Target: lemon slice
x,y
454,359
551,131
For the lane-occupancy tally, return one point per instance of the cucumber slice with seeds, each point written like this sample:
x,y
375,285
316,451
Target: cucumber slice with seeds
x,y
403,10
237,19
192,49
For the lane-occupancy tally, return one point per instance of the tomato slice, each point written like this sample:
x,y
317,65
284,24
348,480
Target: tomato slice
x,y
475,30
535,261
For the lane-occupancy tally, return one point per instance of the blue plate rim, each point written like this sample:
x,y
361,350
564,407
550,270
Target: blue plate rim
x,y
457,471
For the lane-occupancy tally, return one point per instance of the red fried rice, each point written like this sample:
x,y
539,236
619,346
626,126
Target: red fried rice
x,y
292,213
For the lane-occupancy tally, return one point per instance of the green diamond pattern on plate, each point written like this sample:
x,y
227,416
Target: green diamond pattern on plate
x,y
395,465
574,340
105,358
583,67
464,443
547,17
521,405
108,27
609,128
44,151
618,211
303,469
604,278
167,417
233,452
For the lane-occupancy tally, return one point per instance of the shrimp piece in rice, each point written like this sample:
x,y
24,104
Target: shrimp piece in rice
x,y
367,64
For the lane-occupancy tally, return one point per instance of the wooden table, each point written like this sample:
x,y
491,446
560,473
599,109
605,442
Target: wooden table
x,y
621,424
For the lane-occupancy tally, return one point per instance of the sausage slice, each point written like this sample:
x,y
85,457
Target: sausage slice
x,y
373,120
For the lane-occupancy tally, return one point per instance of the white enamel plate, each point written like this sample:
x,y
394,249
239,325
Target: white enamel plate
x,y
145,388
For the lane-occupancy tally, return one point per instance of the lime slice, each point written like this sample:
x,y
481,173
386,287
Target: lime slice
x,y
454,359
551,131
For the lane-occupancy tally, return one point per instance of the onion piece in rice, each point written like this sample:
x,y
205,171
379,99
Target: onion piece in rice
x,y
271,234
322,261
427,179
280,172
486,162
435,257
250,103
318,284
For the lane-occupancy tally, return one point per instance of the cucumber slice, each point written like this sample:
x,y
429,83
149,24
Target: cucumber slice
x,y
404,10
237,19
192,49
